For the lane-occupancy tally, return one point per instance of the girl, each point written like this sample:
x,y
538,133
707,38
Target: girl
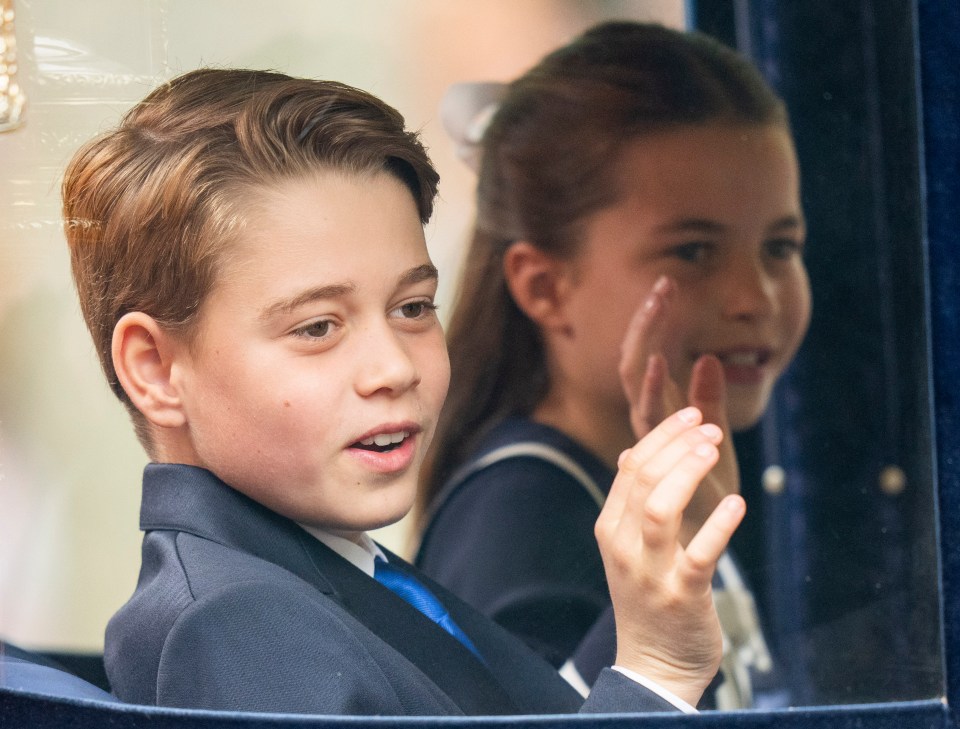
x,y
638,243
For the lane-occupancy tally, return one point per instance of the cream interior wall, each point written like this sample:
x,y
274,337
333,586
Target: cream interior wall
x,y
69,464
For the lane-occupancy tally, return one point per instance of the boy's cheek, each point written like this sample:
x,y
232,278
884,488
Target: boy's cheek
x,y
440,365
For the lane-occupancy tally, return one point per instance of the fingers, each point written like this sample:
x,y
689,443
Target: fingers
x,y
648,409
709,543
708,393
644,336
657,518
657,439
658,477
632,461
663,462
667,627
707,389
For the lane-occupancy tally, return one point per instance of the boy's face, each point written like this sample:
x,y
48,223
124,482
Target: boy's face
x,y
717,209
319,365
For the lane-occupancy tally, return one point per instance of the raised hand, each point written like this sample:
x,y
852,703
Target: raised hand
x,y
652,393
667,626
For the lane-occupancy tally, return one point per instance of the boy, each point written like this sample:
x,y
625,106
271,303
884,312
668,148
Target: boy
x,y
249,256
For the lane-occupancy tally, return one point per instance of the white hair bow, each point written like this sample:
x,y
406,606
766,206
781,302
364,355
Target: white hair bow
x,y
465,111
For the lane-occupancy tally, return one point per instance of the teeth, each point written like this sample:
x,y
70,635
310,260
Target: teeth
x,y
742,359
385,439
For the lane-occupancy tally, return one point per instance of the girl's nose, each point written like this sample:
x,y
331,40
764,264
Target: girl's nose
x,y
383,363
749,292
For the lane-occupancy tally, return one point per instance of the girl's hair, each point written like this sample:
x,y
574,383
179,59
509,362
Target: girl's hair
x,y
545,166
151,208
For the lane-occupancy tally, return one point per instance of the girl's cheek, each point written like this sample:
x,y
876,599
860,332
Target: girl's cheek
x,y
687,313
799,306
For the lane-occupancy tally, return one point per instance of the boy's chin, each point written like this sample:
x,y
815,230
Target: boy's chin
x,y
351,519
387,523
388,517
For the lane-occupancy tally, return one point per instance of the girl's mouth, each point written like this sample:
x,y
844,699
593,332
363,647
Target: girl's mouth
x,y
744,358
744,366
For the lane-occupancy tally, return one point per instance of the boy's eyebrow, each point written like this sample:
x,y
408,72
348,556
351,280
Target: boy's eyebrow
x,y
331,291
415,275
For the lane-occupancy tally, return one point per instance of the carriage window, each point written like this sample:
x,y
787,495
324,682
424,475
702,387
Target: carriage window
x,y
839,545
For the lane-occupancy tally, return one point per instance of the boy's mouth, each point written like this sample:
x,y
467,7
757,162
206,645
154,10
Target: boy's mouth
x,y
389,448
382,442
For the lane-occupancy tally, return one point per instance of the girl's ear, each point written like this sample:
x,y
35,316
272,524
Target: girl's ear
x,y
143,357
538,283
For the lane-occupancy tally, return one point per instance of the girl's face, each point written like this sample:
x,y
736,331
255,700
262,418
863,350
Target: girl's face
x,y
717,209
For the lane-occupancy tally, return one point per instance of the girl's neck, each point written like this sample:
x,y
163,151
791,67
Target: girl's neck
x,y
601,428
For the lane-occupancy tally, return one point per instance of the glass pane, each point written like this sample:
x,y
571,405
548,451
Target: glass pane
x,y
839,546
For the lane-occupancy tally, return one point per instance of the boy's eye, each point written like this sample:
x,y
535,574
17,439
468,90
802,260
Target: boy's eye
x,y
417,309
315,330
784,248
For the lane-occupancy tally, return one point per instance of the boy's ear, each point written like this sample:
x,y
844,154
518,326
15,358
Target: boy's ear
x,y
143,356
538,283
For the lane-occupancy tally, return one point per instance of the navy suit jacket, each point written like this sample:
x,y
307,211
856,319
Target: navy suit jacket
x,y
238,608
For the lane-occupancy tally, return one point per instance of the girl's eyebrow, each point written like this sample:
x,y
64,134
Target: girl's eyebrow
x,y
691,225
788,222
415,275
704,225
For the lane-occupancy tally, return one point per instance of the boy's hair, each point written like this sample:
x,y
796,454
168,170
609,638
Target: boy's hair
x,y
547,163
151,207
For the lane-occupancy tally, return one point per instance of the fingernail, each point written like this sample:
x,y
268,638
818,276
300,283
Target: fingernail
x,y
660,287
690,416
712,431
705,450
651,302
733,505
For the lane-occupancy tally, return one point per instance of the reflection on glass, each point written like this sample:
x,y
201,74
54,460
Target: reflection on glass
x,y
12,99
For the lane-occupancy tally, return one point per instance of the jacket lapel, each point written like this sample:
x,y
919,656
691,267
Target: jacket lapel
x,y
193,500
440,656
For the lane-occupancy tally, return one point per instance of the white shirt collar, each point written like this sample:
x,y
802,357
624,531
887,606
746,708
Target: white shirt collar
x,y
359,555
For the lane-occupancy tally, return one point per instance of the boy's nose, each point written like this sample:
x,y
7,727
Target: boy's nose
x,y
384,363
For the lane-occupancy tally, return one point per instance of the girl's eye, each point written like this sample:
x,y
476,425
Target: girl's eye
x,y
417,309
784,248
695,252
315,330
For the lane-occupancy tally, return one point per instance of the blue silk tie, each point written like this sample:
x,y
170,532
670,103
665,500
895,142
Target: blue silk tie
x,y
417,594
